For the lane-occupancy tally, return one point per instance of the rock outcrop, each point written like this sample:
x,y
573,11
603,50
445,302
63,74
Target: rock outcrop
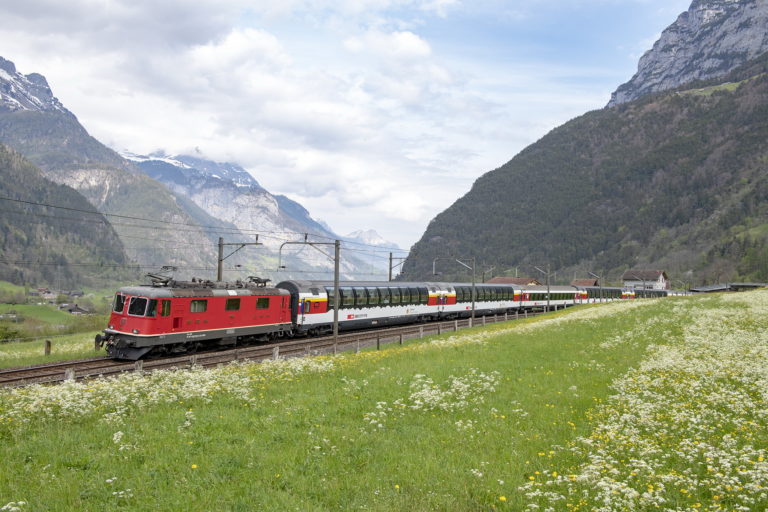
x,y
709,40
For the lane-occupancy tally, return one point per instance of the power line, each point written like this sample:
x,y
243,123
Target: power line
x,y
214,229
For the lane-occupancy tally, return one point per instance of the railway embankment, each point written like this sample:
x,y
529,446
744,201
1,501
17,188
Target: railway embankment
x,y
621,406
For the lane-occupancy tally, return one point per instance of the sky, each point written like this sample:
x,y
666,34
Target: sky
x,y
373,114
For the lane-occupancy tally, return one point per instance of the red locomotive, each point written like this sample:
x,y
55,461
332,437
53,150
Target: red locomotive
x,y
175,317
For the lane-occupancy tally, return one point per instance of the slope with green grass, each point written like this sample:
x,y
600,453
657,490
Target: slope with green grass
x,y
532,413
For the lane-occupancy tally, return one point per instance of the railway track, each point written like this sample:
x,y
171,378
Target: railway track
x,y
104,366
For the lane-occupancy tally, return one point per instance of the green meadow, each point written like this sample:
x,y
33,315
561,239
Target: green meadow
x,y
642,405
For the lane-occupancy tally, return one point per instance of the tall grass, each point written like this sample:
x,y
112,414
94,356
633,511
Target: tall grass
x,y
496,418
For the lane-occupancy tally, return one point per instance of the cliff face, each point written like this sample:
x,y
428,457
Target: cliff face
x,y
709,40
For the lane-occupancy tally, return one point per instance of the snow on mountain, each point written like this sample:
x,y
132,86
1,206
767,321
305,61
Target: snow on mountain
x,y
370,237
25,92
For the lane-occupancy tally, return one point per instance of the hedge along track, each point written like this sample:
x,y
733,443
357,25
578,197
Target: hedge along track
x,y
81,369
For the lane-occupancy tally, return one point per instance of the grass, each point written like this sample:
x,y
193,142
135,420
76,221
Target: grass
x,y
63,348
495,418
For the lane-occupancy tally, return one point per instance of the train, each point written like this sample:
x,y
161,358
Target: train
x,y
170,317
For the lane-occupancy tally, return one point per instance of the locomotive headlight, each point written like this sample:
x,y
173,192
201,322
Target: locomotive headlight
x,y
135,331
111,326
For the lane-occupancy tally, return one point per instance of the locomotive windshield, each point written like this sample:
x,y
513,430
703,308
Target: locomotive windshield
x,y
119,303
137,306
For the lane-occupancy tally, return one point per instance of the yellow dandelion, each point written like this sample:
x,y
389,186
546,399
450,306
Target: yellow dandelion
x,y
502,498
397,486
194,466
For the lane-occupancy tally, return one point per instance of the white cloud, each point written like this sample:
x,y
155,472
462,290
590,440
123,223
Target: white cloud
x,y
345,106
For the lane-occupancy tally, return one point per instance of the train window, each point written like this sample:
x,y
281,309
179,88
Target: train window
x,y
232,305
347,296
315,291
384,297
414,295
198,306
119,303
137,306
405,295
480,294
152,308
262,303
361,297
395,293
165,308
329,292
423,296
373,296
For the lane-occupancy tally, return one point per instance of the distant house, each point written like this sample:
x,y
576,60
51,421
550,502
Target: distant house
x,y
74,309
646,279
585,282
520,281
76,293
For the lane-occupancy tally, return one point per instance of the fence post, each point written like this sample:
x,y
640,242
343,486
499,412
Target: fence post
x,y
439,329
517,315
455,326
378,342
421,332
506,317
192,360
357,347
276,353
471,323
69,374
47,347
138,366
526,313
483,319
401,338
96,344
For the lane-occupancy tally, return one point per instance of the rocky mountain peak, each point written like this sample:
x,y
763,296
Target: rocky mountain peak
x,y
369,237
709,40
25,92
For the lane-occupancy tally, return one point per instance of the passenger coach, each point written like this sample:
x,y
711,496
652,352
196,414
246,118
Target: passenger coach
x,y
376,303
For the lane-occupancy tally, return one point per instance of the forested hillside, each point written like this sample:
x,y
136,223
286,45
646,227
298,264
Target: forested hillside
x,y
676,181
52,246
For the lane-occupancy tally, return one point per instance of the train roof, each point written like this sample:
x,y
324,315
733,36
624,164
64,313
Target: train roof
x,y
552,289
154,292
306,286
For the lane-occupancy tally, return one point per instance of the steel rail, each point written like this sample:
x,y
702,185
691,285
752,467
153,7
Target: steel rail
x,y
82,369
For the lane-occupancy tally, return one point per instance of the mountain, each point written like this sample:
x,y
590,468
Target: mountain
x,y
190,200
709,40
676,181
371,238
37,125
229,193
50,246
